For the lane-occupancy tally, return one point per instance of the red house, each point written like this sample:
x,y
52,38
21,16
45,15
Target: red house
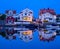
x,y
10,20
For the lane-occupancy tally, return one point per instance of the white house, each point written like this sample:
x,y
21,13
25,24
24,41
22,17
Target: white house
x,y
47,15
25,16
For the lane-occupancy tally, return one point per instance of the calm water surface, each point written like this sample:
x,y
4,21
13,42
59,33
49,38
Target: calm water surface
x,y
16,38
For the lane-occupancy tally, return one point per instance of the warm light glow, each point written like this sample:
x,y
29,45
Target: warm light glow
x,y
27,32
27,18
45,20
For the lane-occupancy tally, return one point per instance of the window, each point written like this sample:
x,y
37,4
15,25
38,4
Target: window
x,y
10,21
10,12
25,18
50,18
25,13
29,14
18,17
21,14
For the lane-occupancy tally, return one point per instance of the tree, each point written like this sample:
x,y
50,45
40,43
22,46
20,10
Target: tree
x,y
3,17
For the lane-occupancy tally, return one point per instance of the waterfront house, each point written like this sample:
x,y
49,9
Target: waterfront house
x,y
10,19
25,16
47,15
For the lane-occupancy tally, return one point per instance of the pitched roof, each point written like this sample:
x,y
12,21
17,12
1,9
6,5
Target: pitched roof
x,y
26,10
51,11
7,11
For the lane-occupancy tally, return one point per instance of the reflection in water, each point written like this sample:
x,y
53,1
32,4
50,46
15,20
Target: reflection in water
x,y
22,33
10,33
26,34
47,35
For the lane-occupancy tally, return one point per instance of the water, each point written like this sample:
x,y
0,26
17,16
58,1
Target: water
x,y
41,38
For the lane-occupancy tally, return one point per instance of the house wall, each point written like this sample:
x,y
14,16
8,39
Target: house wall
x,y
46,16
25,15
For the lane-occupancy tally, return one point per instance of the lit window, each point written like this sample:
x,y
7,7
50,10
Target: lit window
x,y
25,18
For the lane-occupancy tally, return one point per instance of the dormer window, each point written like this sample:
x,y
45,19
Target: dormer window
x,y
10,12
30,12
25,13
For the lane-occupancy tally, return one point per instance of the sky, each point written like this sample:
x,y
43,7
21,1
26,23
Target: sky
x,y
34,5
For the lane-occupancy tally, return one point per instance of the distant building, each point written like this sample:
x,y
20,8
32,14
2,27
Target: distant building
x,y
25,16
47,35
25,35
47,15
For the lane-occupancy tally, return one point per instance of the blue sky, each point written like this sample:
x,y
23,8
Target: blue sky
x,y
34,5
